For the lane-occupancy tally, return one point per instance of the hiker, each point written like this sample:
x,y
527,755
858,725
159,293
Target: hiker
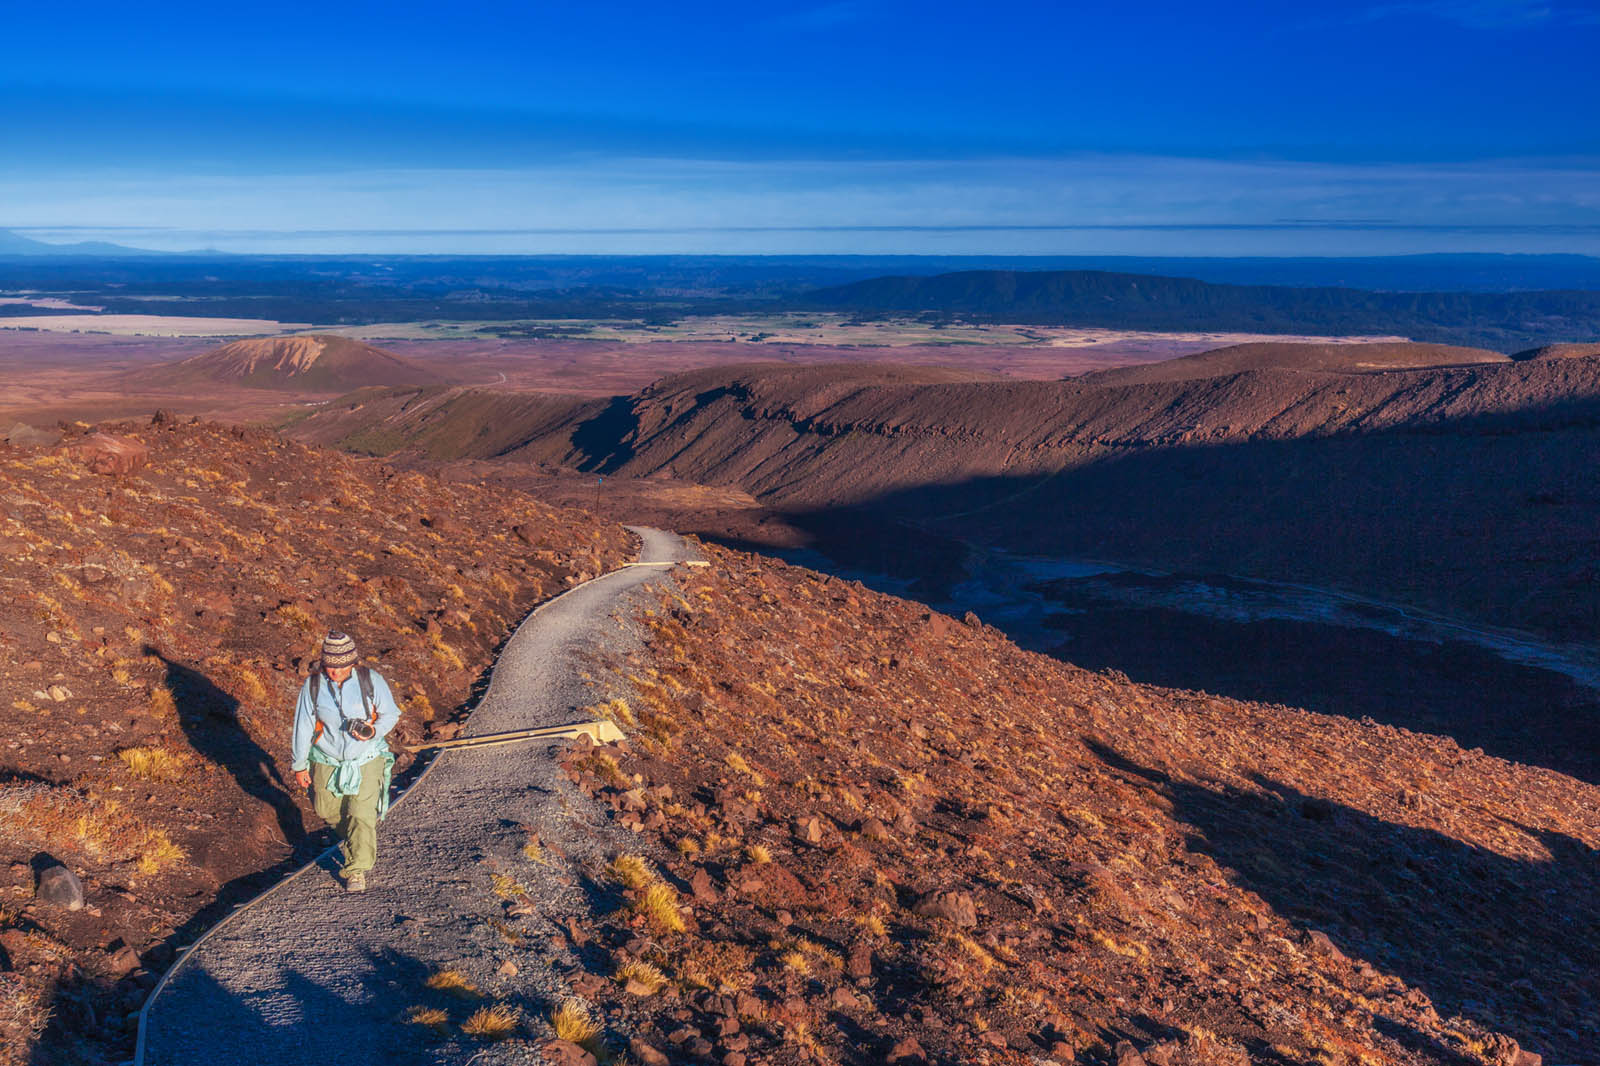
x,y
341,721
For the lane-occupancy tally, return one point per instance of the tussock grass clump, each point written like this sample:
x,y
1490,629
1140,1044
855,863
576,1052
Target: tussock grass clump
x,y
631,871
758,854
154,764
455,983
615,709
642,973
443,652
572,1021
508,887
156,852
736,763
299,618
491,1023
432,1017
161,704
604,766
658,906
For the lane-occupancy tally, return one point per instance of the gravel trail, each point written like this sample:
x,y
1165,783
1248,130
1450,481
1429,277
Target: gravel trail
x,y
309,974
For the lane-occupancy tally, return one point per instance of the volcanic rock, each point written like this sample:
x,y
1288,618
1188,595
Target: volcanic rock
x,y
566,1053
60,887
907,1050
953,906
106,454
647,1053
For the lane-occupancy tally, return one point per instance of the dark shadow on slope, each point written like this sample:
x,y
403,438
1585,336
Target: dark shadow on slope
x,y
1489,519
1483,701
209,718
1508,942
606,440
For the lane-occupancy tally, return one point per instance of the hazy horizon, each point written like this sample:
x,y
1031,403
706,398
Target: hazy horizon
x,y
845,126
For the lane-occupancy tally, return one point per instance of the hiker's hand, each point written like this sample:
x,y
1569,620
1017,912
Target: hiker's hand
x,y
302,778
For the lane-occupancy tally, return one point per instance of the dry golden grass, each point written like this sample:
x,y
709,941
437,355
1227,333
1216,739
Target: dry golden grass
x,y
642,973
455,983
421,704
508,887
604,766
736,762
444,652
23,1016
873,924
572,1021
631,871
432,1017
297,617
758,854
161,704
617,710
157,852
491,1023
154,764
658,906
102,829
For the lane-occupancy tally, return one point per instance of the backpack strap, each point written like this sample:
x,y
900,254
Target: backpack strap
x,y
368,699
317,727
364,679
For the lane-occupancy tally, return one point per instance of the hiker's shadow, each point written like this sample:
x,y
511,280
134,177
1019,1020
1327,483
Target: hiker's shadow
x,y
209,718
1508,940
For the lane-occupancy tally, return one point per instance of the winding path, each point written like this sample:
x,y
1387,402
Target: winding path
x,y
309,974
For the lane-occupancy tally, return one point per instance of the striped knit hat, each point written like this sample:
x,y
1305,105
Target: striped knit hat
x,y
338,650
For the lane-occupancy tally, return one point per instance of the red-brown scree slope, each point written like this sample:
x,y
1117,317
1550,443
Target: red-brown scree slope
x,y
900,838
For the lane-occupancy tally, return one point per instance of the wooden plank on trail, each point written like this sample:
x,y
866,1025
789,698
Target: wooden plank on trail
x,y
602,730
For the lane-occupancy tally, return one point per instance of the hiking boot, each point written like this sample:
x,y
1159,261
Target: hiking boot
x,y
355,882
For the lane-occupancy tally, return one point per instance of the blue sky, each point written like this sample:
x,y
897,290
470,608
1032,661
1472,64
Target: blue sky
x,y
850,125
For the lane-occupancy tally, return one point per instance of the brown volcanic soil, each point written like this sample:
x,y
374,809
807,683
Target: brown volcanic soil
x,y
979,854
174,610
1464,489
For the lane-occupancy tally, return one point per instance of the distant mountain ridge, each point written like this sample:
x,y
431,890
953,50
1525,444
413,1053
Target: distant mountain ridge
x,y
1277,461
14,244
1504,321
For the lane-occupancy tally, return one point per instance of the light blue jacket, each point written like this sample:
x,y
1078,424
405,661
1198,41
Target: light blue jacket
x,y
322,700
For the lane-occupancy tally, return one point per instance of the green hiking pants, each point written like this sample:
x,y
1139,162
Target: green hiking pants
x,y
355,817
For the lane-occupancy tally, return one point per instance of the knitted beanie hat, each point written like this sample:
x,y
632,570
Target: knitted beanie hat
x,y
338,650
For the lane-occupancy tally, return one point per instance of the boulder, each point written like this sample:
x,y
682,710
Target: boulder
x,y
704,890
60,887
566,1053
648,1054
907,1050
121,960
105,454
808,829
1321,944
955,907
